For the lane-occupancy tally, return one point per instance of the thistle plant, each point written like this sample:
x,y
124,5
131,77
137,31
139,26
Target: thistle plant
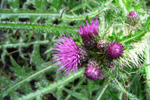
x,y
74,50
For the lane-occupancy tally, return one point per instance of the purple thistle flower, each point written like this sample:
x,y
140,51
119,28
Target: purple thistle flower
x,y
67,54
115,50
92,70
93,73
133,17
87,33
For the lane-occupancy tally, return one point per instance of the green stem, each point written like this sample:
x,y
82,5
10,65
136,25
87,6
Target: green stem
x,y
15,45
133,38
129,95
121,87
120,96
100,95
38,27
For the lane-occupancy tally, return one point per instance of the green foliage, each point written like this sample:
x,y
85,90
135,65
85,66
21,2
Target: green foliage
x,y
29,28
39,28
53,86
147,64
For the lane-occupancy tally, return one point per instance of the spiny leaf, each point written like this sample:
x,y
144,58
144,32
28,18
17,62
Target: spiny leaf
x,y
36,58
136,37
5,82
101,92
4,93
119,86
40,28
14,4
20,72
76,87
53,86
91,14
57,4
77,95
90,86
134,56
26,14
22,44
40,5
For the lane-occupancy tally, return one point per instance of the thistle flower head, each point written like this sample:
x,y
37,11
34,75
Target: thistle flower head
x,y
93,73
66,54
87,33
115,50
133,17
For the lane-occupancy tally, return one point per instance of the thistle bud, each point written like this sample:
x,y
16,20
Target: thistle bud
x,y
93,62
88,32
84,54
101,44
133,17
115,50
92,72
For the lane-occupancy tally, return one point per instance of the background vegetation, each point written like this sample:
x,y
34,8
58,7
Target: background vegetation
x,y
28,29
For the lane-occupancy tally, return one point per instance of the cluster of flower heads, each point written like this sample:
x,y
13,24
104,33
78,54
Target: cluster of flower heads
x,y
93,54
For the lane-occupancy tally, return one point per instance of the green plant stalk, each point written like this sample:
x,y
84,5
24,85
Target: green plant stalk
x,y
28,14
27,79
53,86
22,44
46,15
121,87
24,14
73,18
38,27
100,95
120,96
64,17
130,96
133,38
